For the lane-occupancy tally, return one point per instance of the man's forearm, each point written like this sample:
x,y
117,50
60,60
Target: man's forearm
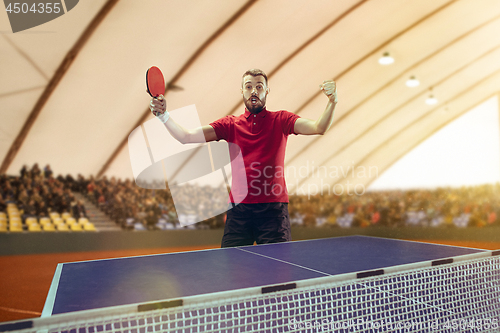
x,y
197,135
326,119
177,131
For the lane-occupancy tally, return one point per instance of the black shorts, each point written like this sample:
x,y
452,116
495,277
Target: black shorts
x,y
261,223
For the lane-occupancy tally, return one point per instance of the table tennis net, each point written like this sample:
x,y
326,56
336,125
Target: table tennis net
x,y
458,297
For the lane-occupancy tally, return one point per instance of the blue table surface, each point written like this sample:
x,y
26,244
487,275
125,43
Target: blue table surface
x,y
102,283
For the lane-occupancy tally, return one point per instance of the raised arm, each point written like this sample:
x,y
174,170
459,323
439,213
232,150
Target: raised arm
x,y
201,134
322,124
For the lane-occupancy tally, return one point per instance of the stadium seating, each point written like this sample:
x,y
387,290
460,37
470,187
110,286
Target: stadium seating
x,y
15,225
45,220
34,227
89,227
75,227
62,227
48,227
3,225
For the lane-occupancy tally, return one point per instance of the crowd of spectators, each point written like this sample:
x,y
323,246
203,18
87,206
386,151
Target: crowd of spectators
x,y
473,206
127,203
37,193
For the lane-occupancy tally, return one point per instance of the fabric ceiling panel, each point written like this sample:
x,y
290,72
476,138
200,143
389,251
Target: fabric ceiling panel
x,y
13,113
391,149
412,112
341,47
18,74
479,52
408,139
356,85
348,128
47,44
28,61
385,134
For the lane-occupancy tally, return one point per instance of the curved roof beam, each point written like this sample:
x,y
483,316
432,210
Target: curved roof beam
x,y
54,82
374,125
170,85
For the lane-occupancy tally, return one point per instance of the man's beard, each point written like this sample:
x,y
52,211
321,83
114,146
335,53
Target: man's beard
x,y
259,105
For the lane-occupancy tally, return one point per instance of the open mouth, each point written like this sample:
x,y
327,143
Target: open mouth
x,y
254,100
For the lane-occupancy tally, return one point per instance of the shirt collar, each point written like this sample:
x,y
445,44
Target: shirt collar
x,y
261,114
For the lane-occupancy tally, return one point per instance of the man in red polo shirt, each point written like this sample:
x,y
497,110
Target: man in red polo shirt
x,y
262,215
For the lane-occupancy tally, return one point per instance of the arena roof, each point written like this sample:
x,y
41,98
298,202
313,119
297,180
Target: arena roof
x,y
72,89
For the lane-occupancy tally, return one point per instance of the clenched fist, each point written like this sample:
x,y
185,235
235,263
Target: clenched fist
x,y
330,90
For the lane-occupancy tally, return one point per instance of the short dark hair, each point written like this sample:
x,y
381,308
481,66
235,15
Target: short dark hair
x,y
255,72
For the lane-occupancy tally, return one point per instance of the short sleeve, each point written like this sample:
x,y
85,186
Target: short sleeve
x,y
288,120
222,127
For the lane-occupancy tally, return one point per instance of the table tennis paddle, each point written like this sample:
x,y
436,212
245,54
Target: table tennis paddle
x,y
155,82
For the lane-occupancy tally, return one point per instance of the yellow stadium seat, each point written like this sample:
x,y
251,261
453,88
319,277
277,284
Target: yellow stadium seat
x,y
3,219
3,214
71,221
58,221
35,227
3,226
76,227
65,216
14,214
83,220
89,227
15,227
45,220
48,227
15,220
62,227
31,220
11,205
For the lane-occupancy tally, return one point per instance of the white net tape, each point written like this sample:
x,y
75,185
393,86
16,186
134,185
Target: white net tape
x,y
459,297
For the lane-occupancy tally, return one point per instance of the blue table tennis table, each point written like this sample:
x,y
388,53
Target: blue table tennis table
x,y
102,283
344,278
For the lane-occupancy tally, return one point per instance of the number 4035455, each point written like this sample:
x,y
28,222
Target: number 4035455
x,y
40,8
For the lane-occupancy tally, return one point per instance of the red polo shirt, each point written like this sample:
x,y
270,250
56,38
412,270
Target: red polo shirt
x,y
262,140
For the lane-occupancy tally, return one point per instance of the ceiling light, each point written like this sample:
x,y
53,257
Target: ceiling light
x,y
386,59
431,100
412,82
